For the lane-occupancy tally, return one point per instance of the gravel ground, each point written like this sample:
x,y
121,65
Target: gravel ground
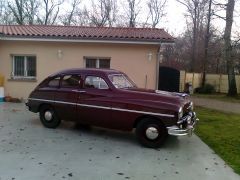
x,y
28,151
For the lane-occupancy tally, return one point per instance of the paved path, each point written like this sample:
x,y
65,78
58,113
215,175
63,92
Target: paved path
x,y
217,105
28,151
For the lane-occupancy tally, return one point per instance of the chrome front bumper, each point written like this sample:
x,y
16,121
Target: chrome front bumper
x,y
190,121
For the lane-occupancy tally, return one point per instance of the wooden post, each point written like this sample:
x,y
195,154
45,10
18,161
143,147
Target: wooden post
x,y
184,82
220,81
193,80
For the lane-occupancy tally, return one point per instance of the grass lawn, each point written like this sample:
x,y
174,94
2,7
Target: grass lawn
x,y
219,96
221,132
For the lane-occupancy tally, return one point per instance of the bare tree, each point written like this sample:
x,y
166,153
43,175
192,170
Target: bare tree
x,y
196,13
31,8
156,11
207,37
68,17
19,11
51,10
112,15
133,11
215,63
5,13
2,8
232,89
17,8
103,12
236,53
83,17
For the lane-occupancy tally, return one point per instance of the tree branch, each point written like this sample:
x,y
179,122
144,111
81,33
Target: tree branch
x,y
224,18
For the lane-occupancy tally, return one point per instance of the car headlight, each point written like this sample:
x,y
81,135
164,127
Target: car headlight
x,y
180,113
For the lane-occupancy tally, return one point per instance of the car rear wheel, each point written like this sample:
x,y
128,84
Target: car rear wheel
x,y
49,117
151,132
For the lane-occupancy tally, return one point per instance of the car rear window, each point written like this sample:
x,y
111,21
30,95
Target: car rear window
x,y
54,82
71,81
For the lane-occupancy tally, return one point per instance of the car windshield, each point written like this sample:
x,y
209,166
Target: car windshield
x,y
121,81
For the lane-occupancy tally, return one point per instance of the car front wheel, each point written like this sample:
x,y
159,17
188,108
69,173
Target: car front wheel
x,y
151,132
49,117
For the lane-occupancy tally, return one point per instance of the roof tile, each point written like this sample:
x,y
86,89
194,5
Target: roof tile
x,y
82,32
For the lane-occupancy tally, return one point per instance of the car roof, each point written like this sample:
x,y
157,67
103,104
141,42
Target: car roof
x,y
87,71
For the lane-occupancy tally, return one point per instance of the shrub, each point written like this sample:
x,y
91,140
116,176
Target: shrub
x,y
206,89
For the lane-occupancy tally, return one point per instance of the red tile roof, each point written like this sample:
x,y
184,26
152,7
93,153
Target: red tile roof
x,y
89,33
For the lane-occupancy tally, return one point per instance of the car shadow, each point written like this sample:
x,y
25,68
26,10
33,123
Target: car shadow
x,y
115,135
172,142
35,122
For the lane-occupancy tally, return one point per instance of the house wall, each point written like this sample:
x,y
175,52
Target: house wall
x,y
131,59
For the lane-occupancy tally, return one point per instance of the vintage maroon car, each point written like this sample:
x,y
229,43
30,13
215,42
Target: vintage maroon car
x,y
108,98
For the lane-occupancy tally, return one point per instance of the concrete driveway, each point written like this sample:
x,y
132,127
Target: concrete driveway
x,y
28,151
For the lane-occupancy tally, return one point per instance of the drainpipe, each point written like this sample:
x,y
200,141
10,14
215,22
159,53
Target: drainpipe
x,y
157,66
146,79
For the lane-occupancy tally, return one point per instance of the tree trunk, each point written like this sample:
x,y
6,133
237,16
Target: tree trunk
x,y
232,89
205,60
194,37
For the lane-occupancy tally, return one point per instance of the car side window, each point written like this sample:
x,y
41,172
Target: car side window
x,y
95,82
71,81
54,82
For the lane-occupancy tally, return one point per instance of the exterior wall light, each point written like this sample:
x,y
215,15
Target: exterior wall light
x,y
60,54
161,59
150,55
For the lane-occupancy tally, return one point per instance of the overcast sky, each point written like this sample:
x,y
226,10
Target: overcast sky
x,y
174,21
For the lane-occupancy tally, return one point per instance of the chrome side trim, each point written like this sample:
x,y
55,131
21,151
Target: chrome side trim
x,y
143,112
78,91
103,107
52,101
35,99
94,106
63,102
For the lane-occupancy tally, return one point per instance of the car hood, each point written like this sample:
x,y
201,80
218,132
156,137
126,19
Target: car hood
x,y
174,98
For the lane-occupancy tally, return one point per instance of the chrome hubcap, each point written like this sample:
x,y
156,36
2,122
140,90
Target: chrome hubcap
x,y
48,115
152,133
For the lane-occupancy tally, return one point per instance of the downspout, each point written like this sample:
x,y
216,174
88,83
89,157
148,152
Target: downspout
x,y
157,66
146,79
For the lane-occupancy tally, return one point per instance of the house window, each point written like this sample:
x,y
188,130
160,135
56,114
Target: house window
x,y
24,67
103,63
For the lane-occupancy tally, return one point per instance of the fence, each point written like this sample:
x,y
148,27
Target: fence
x,y
219,81
1,80
1,88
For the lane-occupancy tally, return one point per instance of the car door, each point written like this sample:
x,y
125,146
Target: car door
x,y
67,95
94,103
46,92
